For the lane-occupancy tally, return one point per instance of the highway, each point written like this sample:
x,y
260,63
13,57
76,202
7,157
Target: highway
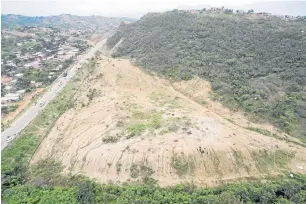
x,y
25,119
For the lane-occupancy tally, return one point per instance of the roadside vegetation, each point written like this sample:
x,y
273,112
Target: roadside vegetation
x,y
79,190
256,65
16,157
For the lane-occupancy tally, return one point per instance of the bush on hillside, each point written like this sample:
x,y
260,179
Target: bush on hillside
x,y
259,65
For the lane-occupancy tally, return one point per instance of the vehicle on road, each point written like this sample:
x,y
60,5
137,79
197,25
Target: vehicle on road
x,y
9,139
41,104
60,83
65,74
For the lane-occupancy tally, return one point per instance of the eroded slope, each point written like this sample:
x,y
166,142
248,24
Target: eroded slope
x,y
127,125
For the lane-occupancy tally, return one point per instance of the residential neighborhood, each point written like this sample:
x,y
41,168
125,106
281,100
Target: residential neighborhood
x,y
249,13
32,58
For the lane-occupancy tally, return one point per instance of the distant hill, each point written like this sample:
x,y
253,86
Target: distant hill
x,y
294,8
256,64
61,21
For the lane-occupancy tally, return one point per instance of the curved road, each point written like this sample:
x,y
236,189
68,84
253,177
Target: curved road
x,y
21,122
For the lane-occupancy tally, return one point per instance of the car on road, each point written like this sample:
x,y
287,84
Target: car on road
x,y
65,74
60,83
9,139
41,104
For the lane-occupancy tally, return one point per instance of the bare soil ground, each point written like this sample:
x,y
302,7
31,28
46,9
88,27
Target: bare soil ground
x,y
127,125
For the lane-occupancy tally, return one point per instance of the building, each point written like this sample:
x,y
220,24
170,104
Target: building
x,y
20,75
27,65
263,14
51,57
10,97
59,67
6,99
21,92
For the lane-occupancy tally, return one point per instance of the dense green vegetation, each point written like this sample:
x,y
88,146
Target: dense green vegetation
x,y
258,65
81,190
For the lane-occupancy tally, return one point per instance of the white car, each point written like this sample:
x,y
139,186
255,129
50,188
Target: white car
x,y
9,139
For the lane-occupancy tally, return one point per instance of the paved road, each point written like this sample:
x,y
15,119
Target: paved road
x,y
20,123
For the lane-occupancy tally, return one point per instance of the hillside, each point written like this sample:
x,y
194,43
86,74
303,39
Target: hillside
x,y
125,126
136,135
255,64
62,21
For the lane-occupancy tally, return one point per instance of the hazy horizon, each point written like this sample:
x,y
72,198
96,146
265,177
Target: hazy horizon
x,y
121,8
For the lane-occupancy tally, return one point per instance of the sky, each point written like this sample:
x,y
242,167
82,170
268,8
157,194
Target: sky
x,y
108,8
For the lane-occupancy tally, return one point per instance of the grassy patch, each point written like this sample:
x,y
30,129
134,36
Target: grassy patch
x,y
139,128
201,101
267,160
141,115
118,167
183,164
144,172
155,121
260,130
270,134
147,180
134,171
173,127
162,99
230,120
91,94
135,130
110,139
46,172
216,162
238,158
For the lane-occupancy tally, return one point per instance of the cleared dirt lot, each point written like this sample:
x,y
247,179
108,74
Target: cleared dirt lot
x,y
128,125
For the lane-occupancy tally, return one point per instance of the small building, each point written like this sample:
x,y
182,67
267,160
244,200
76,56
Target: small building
x,y
8,99
38,84
11,64
27,65
20,75
265,14
59,67
75,50
21,92
12,95
8,88
51,57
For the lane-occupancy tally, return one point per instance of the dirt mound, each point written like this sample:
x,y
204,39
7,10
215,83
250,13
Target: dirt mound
x,y
128,126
